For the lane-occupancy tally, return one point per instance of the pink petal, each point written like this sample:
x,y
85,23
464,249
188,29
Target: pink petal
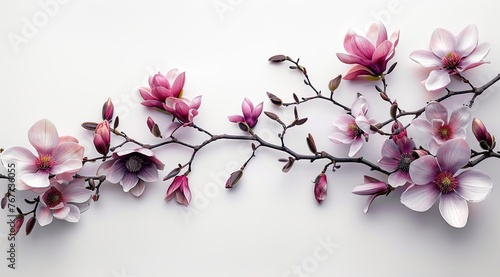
x,y
172,75
64,139
424,170
178,84
437,80
116,171
348,40
61,213
453,155
258,110
425,58
138,189
43,136
339,137
442,42
399,178
350,59
173,188
67,157
362,47
129,181
359,107
74,214
152,103
343,121
476,56
423,125
44,216
247,108
460,118
39,179
420,198
146,94
388,163
454,209
183,196
363,124
17,154
76,192
355,146
369,201
390,149
474,185
381,52
357,71
466,40
148,173
369,189
195,103
436,110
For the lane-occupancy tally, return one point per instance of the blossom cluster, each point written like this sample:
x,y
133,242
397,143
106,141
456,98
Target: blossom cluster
x,y
440,168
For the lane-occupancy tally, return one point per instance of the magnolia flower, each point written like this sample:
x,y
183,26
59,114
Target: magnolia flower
x,y
438,178
373,188
180,189
398,130
162,87
102,137
485,139
442,129
62,201
370,54
56,156
320,187
396,158
132,169
354,128
250,114
450,55
183,109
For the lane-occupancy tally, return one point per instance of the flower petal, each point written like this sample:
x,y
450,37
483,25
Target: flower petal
x,y
236,118
178,84
362,47
148,173
357,71
454,209
474,185
442,42
460,118
436,110
339,137
390,149
61,213
17,154
424,170
129,181
422,124
138,189
369,201
43,136
44,216
74,214
116,171
437,80
425,58
399,178
420,198
476,56
343,121
76,192
453,155
355,146
466,40
39,179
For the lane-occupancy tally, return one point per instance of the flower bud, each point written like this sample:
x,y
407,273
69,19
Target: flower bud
x,y
398,131
320,187
108,110
4,201
311,144
102,137
234,178
30,225
89,126
334,83
394,110
278,58
95,197
18,223
153,127
274,99
485,139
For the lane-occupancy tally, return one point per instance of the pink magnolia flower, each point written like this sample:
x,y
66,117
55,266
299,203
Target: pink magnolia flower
x,y
250,114
162,87
439,178
442,129
56,156
320,187
180,189
183,109
396,158
373,188
450,55
102,137
63,201
354,128
370,54
132,169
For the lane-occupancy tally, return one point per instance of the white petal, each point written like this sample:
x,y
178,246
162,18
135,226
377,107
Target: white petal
x,y
40,179
460,118
129,181
454,209
398,178
437,80
342,122
339,137
44,216
466,40
138,189
453,155
43,136
424,170
363,124
477,55
420,198
148,173
17,154
474,185
74,214
426,58
355,146
423,125
442,42
436,110
61,213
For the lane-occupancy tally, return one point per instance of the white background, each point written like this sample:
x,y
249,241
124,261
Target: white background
x,y
86,51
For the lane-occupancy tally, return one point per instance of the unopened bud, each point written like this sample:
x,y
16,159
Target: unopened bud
x,y
485,139
311,144
95,197
274,99
153,127
288,165
394,110
107,110
278,58
18,223
234,178
89,126
334,83
320,187
30,225
385,97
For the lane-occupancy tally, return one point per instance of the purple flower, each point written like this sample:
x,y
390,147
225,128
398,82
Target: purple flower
x,y
180,189
442,129
354,128
320,187
396,158
183,109
59,156
438,178
132,169
373,188
450,55
250,114
162,87
61,200
371,53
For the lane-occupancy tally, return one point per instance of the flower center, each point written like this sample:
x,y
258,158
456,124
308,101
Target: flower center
x,y
451,60
446,182
54,197
354,130
445,132
43,162
405,161
134,164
